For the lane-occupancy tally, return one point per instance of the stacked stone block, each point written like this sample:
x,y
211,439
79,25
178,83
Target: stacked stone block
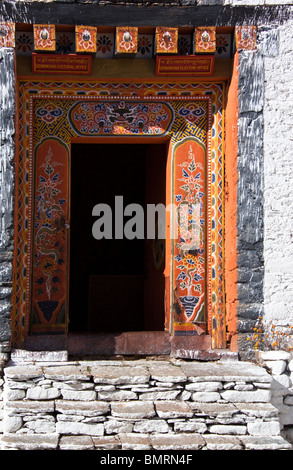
x,y
140,405
280,366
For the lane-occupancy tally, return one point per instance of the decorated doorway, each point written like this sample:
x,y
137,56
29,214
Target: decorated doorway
x,y
116,269
56,117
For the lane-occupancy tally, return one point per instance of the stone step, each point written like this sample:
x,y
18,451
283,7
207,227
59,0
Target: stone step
x,y
139,404
140,441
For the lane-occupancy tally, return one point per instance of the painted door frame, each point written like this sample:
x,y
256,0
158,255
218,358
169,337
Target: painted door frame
x,y
184,97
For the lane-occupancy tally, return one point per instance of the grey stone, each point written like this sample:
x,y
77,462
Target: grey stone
x,y
222,442
30,441
151,425
26,406
204,386
79,395
165,395
184,441
263,428
113,426
189,426
40,393
18,355
73,385
206,396
66,372
106,442
81,408
66,427
135,441
227,429
276,367
264,356
265,443
12,424
172,409
117,395
133,410
76,443
288,400
12,395
258,410
225,372
119,375
41,426
167,373
223,410
27,372
76,418
235,396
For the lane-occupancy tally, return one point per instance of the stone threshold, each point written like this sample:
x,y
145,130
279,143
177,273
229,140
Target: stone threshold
x,y
127,343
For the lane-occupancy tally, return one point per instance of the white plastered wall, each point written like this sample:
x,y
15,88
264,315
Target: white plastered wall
x,y
278,181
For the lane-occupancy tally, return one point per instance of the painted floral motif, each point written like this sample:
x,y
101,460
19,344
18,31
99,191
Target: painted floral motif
x,y
64,43
184,44
190,257
145,45
49,238
95,118
49,113
105,45
24,43
49,264
223,45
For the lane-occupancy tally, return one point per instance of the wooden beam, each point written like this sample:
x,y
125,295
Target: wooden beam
x,y
141,15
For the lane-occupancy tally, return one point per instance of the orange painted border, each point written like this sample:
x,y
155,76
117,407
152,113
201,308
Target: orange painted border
x,y
230,195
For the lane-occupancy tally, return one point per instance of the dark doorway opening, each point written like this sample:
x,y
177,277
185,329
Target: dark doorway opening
x,y
116,285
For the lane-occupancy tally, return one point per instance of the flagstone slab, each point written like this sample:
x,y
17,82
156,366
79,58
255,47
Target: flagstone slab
x,y
224,372
120,375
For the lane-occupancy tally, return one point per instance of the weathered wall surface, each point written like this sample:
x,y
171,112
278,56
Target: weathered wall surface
x,y
7,146
278,191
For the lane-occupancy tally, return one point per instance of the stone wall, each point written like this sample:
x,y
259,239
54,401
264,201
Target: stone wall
x,y
141,404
